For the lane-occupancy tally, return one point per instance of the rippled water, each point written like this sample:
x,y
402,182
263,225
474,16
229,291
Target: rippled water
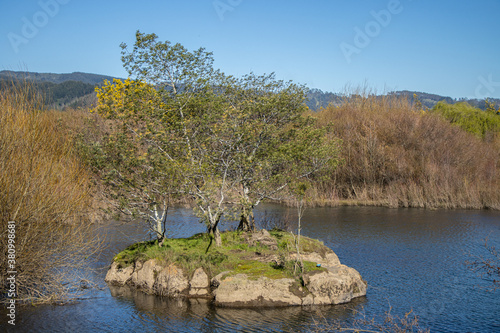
x,y
412,259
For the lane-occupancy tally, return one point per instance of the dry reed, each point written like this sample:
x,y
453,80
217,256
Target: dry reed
x,y
44,189
397,155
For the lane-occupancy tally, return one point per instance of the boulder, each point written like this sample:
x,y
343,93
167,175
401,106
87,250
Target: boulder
x,y
145,274
118,276
199,284
171,281
240,291
339,284
328,260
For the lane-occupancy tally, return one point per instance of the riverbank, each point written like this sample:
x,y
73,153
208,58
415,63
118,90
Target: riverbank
x,y
248,270
394,203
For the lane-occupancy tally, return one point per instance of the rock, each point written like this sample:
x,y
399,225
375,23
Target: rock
x,y
308,300
333,283
118,276
144,275
240,291
218,279
199,284
339,284
171,281
264,238
329,258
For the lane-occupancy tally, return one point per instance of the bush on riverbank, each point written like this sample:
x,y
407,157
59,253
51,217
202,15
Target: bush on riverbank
x,y
44,189
397,155
483,124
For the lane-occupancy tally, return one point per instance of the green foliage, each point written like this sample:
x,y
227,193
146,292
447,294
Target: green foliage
x,y
471,119
185,128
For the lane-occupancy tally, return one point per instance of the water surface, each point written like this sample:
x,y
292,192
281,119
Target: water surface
x,y
413,259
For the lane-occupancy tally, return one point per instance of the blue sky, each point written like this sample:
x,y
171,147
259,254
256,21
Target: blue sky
x,y
445,47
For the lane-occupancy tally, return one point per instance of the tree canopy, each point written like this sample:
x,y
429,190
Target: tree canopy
x,y
184,128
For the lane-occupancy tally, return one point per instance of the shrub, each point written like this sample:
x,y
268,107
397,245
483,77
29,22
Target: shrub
x,y
473,120
44,190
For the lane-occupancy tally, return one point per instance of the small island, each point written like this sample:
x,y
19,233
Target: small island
x,y
259,269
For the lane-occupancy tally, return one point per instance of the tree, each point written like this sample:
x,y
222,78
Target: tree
x,y
188,129
165,136
140,180
276,144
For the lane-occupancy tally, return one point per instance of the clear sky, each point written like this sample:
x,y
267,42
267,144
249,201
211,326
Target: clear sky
x,y
447,47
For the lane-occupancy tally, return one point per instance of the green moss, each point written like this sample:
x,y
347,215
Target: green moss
x,y
256,269
235,255
286,242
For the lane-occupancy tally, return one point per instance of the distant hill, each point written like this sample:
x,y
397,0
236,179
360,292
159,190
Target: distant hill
x,y
59,90
427,100
318,99
55,78
77,90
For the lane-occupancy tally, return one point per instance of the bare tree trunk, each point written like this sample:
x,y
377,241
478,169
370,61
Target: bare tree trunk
x,y
247,223
218,239
214,230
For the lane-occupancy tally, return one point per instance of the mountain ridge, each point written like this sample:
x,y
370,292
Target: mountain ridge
x,y
89,78
316,98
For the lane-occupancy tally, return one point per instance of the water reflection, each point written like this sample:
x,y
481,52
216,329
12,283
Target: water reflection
x,y
168,312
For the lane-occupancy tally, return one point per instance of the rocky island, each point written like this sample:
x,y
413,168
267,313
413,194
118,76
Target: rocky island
x,y
249,270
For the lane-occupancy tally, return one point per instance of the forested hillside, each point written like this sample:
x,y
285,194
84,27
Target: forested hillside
x,y
321,99
76,90
58,91
55,78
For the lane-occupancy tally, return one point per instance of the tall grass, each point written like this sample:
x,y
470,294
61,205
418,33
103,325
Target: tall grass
x,y
397,155
44,190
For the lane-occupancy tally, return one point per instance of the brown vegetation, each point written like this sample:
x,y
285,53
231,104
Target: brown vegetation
x,y
397,155
392,154
44,190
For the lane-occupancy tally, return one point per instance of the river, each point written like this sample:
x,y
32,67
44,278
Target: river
x,y
413,260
